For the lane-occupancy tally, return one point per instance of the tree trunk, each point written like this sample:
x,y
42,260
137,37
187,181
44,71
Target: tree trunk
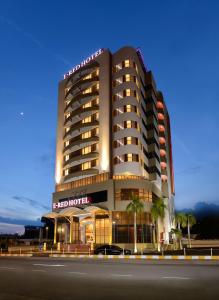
x,y
158,235
189,239
135,234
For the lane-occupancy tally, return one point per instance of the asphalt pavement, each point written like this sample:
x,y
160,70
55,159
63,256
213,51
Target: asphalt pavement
x,y
49,278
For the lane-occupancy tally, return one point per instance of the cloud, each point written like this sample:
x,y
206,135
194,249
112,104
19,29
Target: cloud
x,y
34,40
31,202
7,228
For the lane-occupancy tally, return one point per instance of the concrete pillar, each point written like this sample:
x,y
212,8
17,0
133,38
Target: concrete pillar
x,y
55,231
71,230
110,228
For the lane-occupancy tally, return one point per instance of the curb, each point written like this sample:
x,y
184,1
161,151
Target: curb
x,y
17,255
145,257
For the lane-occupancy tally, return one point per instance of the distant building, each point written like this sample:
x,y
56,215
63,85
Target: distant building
x,y
113,141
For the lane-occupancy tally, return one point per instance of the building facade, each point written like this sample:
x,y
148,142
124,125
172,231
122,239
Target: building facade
x,y
113,142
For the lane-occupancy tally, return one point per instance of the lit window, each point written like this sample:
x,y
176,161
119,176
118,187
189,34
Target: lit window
x,y
89,90
97,86
66,157
128,92
97,101
68,115
127,77
161,128
162,140
97,116
97,130
86,120
66,172
67,129
129,157
86,135
128,140
163,165
159,104
162,152
89,76
86,165
127,63
128,108
129,124
86,150
87,105
97,72
66,143
67,102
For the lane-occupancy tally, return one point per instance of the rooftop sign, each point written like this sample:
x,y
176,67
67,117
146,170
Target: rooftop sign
x,y
84,62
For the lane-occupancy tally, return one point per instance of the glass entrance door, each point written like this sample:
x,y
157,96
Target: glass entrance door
x,y
89,233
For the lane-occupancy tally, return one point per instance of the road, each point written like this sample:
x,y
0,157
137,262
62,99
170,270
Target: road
x,y
50,278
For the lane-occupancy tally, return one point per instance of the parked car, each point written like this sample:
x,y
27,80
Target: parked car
x,y
111,250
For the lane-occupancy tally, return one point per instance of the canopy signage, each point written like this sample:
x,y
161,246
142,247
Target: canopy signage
x,y
84,62
71,202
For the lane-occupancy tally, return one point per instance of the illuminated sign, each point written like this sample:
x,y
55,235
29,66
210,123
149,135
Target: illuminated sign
x,y
71,202
84,62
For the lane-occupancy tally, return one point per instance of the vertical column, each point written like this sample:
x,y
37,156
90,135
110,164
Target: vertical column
x,y
71,230
55,231
110,228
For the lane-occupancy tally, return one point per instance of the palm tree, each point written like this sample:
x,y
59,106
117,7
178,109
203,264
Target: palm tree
x,y
181,220
135,207
191,220
176,232
157,211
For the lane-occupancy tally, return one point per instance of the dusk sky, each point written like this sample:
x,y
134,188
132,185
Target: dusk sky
x,y
41,40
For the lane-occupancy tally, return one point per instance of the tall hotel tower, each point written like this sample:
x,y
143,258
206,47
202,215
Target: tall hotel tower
x,y
113,142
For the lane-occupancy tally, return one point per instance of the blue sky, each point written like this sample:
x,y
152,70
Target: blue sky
x,y
41,40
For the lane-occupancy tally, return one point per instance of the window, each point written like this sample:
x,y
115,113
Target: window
x,y
87,105
96,101
128,124
127,194
127,93
86,120
67,129
66,172
97,72
128,108
89,76
86,135
97,116
118,96
66,157
86,150
87,91
129,157
86,165
66,143
127,78
67,115
127,63
128,140
97,130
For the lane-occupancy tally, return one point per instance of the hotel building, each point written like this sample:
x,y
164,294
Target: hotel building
x,y
113,142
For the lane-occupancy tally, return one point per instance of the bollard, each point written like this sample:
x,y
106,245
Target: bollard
x,y
184,251
211,252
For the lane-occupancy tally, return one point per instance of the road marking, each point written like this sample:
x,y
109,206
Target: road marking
x,y
77,273
7,268
48,265
125,275
175,277
39,271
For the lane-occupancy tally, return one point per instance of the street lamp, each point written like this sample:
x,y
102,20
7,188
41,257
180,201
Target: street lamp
x,y
114,231
47,229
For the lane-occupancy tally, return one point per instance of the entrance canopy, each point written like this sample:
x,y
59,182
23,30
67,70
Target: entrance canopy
x,y
75,212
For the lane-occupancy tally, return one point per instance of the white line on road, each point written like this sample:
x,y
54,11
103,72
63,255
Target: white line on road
x,y
48,265
7,268
125,275
175,277
77,273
